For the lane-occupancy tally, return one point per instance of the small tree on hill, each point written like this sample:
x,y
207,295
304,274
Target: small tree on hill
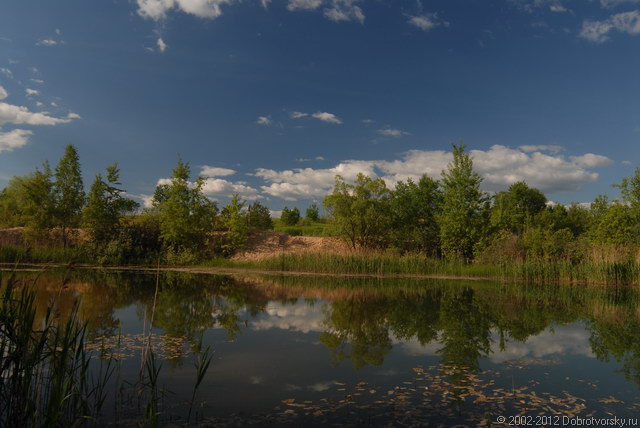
x,y
186,215
360,211
105,206
68,192
313,212
290,217
259,217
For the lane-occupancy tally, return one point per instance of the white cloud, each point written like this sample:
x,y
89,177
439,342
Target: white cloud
x,y
614,3
541,148
529,5
391,132
427,21
344,10
47,42
14,139
298,115
327,117
158,9
221,187
264,120
368,121
304,4
598,31
31,92
213,171
21,115
319,158
6,72
500,166
626,162
162,46
39,104
265,3
589,160
3,93
38,81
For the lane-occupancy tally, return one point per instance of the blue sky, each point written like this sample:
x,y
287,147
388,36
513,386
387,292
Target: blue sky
x,y
271,99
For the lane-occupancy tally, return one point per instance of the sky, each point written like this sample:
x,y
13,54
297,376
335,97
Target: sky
x,y
272,98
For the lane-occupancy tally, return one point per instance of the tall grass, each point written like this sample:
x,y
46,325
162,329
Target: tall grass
x,y
389,263
11,254
44,369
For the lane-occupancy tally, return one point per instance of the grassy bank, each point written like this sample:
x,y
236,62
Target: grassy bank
x,y
622,273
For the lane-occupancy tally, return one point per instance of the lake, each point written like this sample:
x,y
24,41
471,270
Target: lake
x,y
359,351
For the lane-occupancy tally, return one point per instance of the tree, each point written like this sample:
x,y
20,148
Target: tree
x,y
414,209
617,226
234,221
313,212
290,217
360,211
105,206
68,192
186,214
514,209
259,217
464,207
630,190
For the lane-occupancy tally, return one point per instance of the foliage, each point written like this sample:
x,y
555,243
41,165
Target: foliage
x,y
105,206
360,211
617,226
259,217
630,190
414,210
515,208
290,217
186,215
68,191
234,222
313,212
464,207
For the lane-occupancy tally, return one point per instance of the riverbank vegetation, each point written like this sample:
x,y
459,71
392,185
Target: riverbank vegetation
x,y
428,226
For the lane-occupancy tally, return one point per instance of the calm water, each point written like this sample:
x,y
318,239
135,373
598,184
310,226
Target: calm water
x,y
366,352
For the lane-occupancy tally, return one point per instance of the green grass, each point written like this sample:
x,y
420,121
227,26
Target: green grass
x,y
10,254
417,264
305,227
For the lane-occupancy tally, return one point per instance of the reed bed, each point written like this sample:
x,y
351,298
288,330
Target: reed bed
x,y
531,270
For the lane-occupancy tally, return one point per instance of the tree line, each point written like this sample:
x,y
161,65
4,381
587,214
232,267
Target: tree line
x,y
450,218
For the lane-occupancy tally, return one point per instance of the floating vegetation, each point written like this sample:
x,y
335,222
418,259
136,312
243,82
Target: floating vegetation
x,y
439,394
126,346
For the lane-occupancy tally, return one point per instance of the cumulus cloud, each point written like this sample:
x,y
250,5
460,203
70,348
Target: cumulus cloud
x,y
541,148
327,117
3,93
31,92
264,120
213,171
21,115
221,187
158,9
38,81
298,115
344,10
598,31
14,139
427,21
300,318
530,5
304,4
500,166
6,72
391,132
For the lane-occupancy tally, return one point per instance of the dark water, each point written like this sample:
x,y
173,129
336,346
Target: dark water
x,y
367,352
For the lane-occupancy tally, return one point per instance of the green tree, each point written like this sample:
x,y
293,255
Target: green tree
x,y
105,206
234,221
514,209
68,192
630,190
290,217
186,215
360,211
259,217
313,212
617,226
414,209
464,207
